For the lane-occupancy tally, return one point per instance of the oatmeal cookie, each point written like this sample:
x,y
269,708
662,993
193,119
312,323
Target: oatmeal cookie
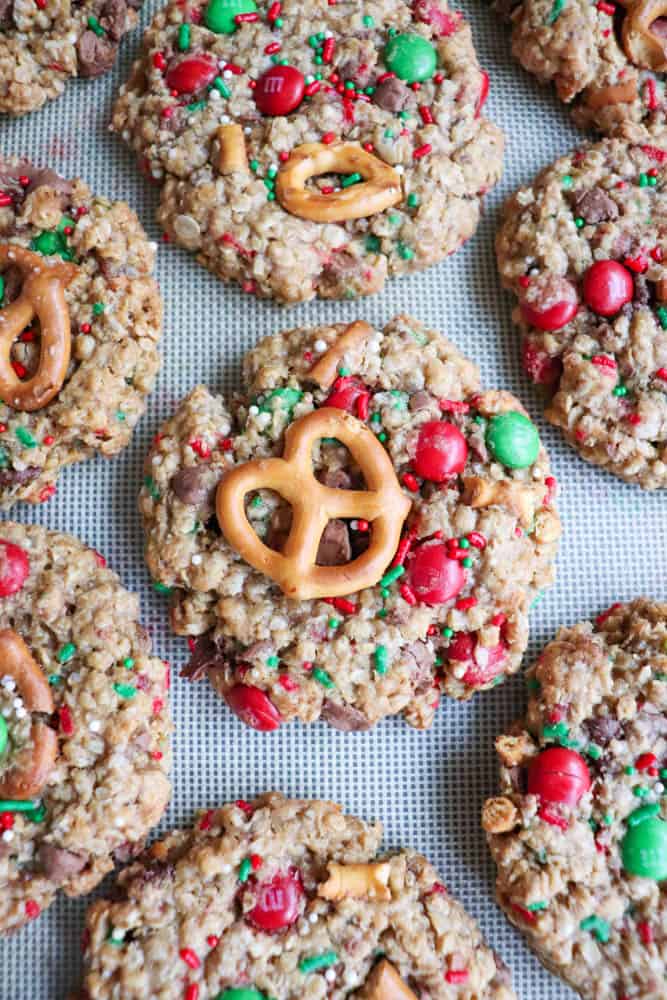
x,y
312,148
351,604
80,319
607,60
284,898
583,248
84,722
579,831
44,43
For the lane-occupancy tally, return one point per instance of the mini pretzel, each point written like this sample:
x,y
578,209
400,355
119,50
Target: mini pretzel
x,y
314,505
232,155
356,881
384,983
516,497
31,766
381,187
642,47
617,93
326,369
499,815
43,296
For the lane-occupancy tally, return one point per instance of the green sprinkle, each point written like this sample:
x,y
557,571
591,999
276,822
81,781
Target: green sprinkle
x,y
18,805
394,219
467,562
643,180
128,662
556,11
98,308
400,399
652,181
389,133
120,416
598,927
536,907
640,792
256,502
161,588
272,171
149,483
350,180
49,244
184,38
54,679
280,399
343,371
244,870
278,22
533,684
367,21
663,773
384,593
644,812
25,437
607,819
380,658
272,661
315,962
4,458
382,437
662,316
95,26
2,288
463,543
620,390
323,677
567,180
392,575
37,815
116,937
125,690
333,623
4,735
447,632
376,418
413,200
196,106
594,751
382,613
558,732
222,88
630,769
254,166
66,652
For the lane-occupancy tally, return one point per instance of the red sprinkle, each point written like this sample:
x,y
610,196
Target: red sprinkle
x,y
235,69
407,594
453,406
602,618
634,419
243,805
159,60
602,361
32,909
426,114
637,264
645,932
645,761
287,683
158,705
272,48
191,992
477,539
662,374
650,95
312,88
200,448
206,821
499,619
656,253
6,821
465,603
552,818
525,914
422,151
212,940
457,976
246,18
66,722
342,604
410,482
328,50
328,138
156,755
273,11
19,369
361,524
606,8
226,444
385,76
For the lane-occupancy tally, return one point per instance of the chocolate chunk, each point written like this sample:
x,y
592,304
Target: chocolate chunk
x,y
603,730
127,851
113,18
58,864
335,548
6,11
96,54
37,177
344,717
279,527
192,485
596,206
642,290
420,400
336,479
420,659
391,94
18,477
206,655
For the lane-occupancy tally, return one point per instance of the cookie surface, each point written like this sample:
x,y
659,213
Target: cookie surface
x,y
263,134
607,60
87,695
284,898
43,45
474,540
579,833
112,312
582,247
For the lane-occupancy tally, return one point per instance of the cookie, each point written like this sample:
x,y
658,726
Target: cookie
x,y
422,526
312,148
84,722
583,247
579,833
607,60
80,319
44,43
284,898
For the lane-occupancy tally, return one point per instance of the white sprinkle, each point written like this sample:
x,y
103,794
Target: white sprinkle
x,y
247,130
253,410
6,712
215,95
658,788
8,683
399,168
95,726
21,713
197,558
227,74
330,975
225,869
156,460
320,346
18,703
313,917
8,836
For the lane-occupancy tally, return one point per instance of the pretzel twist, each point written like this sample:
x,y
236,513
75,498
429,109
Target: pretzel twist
x,y
642,47
31,766
42,296
380,189
314,505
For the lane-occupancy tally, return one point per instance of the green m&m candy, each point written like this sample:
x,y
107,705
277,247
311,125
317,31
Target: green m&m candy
x,y
4,735
219,14
644,849
240,993
411,57
513,440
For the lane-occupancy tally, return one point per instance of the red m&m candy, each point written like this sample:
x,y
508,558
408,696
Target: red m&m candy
x,y
279,90
483,663
434,577
540,367
441,451
278,901
345,396
14,567
559,775
190,74
253,707
607,287
550,302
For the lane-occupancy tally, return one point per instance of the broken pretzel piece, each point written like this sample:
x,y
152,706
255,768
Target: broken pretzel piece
x,y
499,815
326,369
644,47
356,881
232,155
518,498
384,983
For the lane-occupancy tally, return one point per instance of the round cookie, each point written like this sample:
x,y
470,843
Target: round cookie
x,y
44,43
84,722
310,148
607,60
464,535
583,248
76,286
284,898
579,832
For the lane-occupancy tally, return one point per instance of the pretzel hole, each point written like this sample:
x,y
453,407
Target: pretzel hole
x,y
331,183
25,350
659,29
15,733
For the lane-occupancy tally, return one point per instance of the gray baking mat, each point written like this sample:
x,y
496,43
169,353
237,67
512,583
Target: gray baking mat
x,y
427,787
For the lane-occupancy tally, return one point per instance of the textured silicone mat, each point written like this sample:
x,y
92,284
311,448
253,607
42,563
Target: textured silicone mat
x,y
427,787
